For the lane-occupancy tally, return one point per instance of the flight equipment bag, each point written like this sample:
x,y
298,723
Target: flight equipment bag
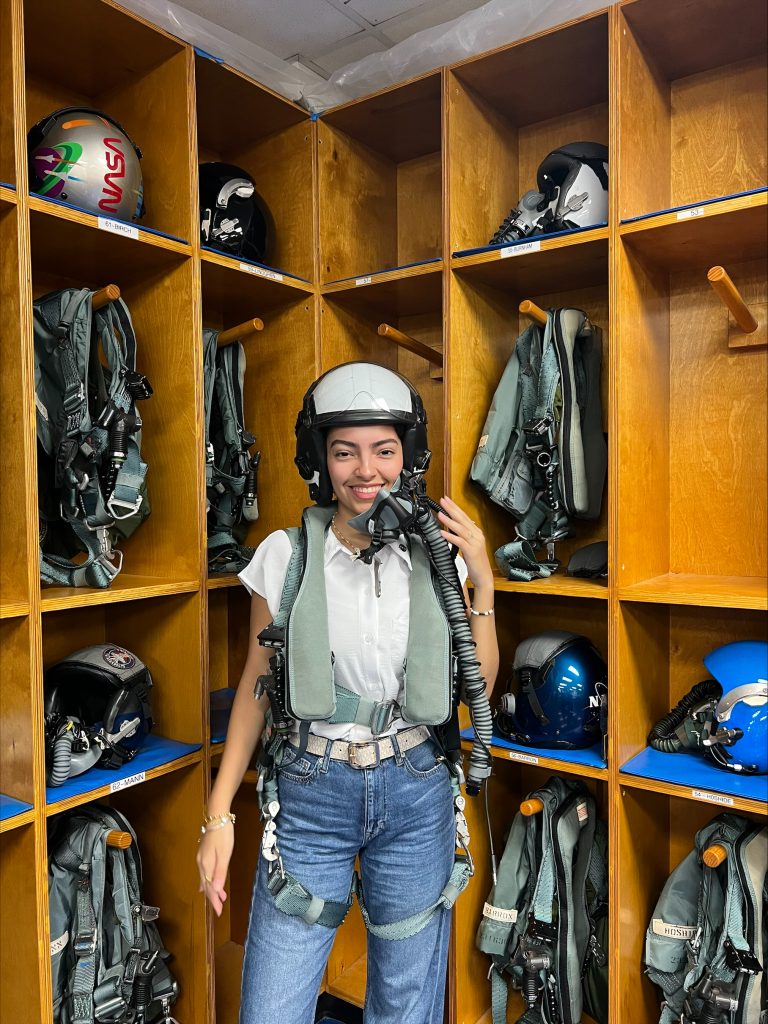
x,y
542,455
545,922
231,470
705,946
91,477
107,959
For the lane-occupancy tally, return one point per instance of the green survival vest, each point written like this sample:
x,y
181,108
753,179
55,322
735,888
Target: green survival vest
x,y
542,455
230,475
311,691
91,487
707,940
108,962
543,918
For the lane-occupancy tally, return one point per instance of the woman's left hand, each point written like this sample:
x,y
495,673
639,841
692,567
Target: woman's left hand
x,y
460,530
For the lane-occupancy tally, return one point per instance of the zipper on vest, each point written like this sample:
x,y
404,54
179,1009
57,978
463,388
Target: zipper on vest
x,y
742,980
562,914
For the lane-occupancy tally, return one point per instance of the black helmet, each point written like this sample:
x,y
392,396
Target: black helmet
x,y
356,394
233,217
105,689
574,179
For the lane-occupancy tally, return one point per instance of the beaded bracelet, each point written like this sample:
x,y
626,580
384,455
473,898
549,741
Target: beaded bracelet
x,y
212,822
473,611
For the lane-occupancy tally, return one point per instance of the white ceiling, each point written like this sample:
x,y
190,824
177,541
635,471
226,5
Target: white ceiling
x,y
324,35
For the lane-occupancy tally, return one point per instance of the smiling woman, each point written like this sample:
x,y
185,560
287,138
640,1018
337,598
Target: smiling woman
x,y
354,766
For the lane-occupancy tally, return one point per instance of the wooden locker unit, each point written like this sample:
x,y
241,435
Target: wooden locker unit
x,y
383,211
380,179
247,125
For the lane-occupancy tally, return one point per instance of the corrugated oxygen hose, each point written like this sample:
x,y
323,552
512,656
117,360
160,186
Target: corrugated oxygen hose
x,y
61,760
664,735
473,683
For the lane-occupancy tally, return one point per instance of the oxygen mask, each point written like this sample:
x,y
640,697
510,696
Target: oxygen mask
x,y
395,511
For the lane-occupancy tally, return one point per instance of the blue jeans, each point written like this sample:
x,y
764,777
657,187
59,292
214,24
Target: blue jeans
x,y
399,818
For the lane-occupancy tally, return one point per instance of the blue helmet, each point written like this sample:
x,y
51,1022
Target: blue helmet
x,y
739,734
562,692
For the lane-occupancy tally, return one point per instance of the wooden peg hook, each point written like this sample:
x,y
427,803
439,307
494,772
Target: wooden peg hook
x,y
530,807
412,344
752,331
714,855
120,840
240,332
111,293
533,312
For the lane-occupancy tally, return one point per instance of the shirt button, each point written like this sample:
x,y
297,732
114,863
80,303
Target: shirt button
x,y
367,638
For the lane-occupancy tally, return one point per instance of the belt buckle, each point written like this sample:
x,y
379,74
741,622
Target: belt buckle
x,y
352,755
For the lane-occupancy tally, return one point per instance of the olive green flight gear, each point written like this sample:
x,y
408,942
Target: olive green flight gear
x,y
706,943
547,910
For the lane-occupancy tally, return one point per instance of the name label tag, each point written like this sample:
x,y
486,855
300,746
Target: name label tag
x,y
117,227
515,755
499,914
271,275
362,280
518,250
685,932
132,780
712,798
695,211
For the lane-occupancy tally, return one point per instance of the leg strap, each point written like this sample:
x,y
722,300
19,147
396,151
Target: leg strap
x,y
409,926
293,899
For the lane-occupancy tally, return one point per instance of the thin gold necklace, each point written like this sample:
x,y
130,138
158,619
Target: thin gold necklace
x,y
356,552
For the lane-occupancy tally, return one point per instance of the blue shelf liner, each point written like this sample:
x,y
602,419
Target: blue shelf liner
x,y
592,757
529,238
253,263
119,220
388,270
10,807
692,770
220,715
690,206
157,750
7,184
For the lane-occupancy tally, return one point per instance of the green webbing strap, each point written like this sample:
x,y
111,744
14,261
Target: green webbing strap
x,y
499,996
90,892
292,577
351,707
517,561
293,899
408,926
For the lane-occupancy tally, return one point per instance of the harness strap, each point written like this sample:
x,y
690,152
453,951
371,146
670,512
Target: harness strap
x,y
292,898
408,926
351,707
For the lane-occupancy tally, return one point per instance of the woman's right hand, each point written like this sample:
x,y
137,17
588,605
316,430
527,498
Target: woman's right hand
x,y
213,856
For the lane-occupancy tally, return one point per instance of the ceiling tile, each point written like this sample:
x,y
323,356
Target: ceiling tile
x,y
427,15
378,11
353,48
284,27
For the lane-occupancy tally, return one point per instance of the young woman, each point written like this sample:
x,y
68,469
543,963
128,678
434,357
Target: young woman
x,y
345,790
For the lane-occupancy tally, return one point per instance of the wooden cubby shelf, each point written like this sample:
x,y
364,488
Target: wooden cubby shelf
x,y
381,211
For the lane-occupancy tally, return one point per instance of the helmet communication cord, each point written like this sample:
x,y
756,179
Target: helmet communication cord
x,y
406,510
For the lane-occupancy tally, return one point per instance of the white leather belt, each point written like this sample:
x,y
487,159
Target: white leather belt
x,y
367,755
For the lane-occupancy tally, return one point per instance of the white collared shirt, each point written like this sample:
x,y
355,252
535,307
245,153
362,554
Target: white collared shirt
x,y
368,634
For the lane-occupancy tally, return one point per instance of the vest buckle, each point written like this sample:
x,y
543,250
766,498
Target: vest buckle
x,y
381,717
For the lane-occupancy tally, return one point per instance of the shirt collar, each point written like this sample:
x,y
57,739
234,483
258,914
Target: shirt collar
x,y
333,546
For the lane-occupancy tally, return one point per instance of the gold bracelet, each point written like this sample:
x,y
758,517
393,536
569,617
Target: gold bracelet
x,y
212,822
473,611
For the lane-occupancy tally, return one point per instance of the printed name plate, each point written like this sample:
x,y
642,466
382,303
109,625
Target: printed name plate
x,y
362,280
515,755
695,211
118,228
518,250
271,275
132,780
712,798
